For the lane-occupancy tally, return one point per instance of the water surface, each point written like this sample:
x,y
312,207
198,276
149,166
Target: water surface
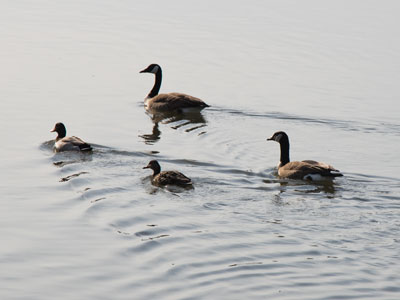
x,y
91,226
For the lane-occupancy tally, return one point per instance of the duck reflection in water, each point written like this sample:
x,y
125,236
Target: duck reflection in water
x,y
177,119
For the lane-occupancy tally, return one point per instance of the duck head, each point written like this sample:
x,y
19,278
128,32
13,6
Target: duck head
x,y
60,129
155,166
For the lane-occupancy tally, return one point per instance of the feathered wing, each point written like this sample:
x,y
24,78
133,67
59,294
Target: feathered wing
x,y
72,143
172,177
83,146
300,169
174,101
321,164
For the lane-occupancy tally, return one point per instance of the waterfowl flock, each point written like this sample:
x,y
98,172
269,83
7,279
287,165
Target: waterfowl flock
x,y
309,170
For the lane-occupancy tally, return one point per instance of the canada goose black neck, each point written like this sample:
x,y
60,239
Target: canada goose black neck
x,y
156,70
283,140
157,84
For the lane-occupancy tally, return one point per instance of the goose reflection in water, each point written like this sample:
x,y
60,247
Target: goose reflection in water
x,y
190,120
325,187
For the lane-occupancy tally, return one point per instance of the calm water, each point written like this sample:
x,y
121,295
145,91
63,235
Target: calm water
x,y
77,226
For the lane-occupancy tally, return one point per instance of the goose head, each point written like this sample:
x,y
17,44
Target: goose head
x,y
153,68
279,137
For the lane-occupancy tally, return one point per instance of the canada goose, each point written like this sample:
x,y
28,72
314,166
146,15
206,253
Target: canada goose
x,y
69,143
306,169
172,101
167,177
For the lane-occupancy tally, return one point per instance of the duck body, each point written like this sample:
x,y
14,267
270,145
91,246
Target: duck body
x,y
171,101
303,170
167,177
68,143
171,177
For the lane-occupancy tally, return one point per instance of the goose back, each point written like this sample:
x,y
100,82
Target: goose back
x,y
310,170
174,101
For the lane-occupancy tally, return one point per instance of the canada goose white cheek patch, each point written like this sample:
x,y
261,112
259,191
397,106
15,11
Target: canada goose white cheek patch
x,y
154,70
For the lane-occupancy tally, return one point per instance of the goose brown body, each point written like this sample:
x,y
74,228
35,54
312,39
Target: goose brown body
x,y
167,177
174,101
68,143
306,169
171,101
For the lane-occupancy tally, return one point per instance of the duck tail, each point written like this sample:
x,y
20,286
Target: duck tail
x,y
85,147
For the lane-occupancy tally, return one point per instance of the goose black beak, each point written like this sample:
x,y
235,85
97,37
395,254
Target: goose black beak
x,y
270,139
143,71
53,130
146,167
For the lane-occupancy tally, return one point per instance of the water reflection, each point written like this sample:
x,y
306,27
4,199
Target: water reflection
x,y
69,177
327,187
191,120
153,137
61,159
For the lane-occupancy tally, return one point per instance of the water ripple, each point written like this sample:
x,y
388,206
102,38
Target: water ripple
x,y
370,127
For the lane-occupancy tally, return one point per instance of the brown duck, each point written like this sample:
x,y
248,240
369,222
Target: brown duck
x,y
306,169
167,177
68,143
172,101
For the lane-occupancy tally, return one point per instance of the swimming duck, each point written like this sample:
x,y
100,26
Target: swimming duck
x,y
68,143
167,177
306,169
172,101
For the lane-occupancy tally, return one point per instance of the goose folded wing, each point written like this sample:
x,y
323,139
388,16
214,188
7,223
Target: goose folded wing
x,y
321,165
176,100
300,169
